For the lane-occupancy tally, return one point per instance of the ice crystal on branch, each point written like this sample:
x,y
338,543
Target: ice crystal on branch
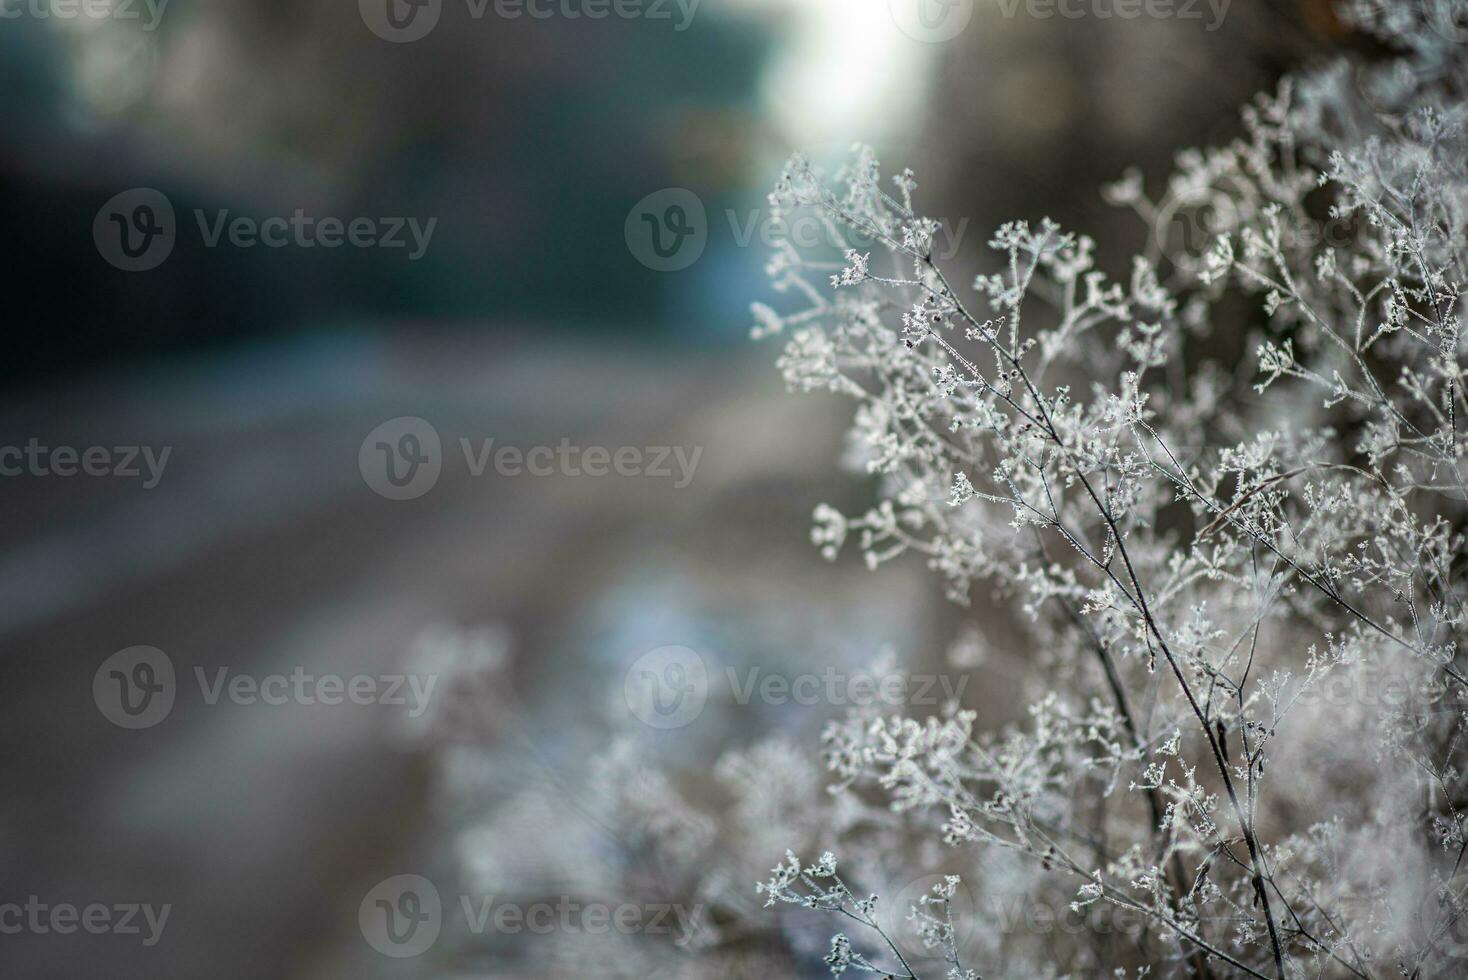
x,y
1227,566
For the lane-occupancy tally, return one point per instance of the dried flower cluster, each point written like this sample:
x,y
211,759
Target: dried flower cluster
x,y
1249,590
1227,492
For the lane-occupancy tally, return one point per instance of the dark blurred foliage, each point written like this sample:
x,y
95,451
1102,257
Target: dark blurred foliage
x,y
529,141
1031,117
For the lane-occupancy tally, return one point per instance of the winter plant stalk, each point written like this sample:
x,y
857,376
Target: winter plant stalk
x,y
1223,497
1221,568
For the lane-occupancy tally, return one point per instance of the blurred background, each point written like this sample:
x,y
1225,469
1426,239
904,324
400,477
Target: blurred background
x,y
517,154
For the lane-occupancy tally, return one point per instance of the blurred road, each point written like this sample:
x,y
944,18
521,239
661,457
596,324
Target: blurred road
x,y
263,549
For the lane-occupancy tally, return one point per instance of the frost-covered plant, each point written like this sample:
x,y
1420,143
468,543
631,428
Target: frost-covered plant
x,y
1242,752
1227,575
818,886
615,828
